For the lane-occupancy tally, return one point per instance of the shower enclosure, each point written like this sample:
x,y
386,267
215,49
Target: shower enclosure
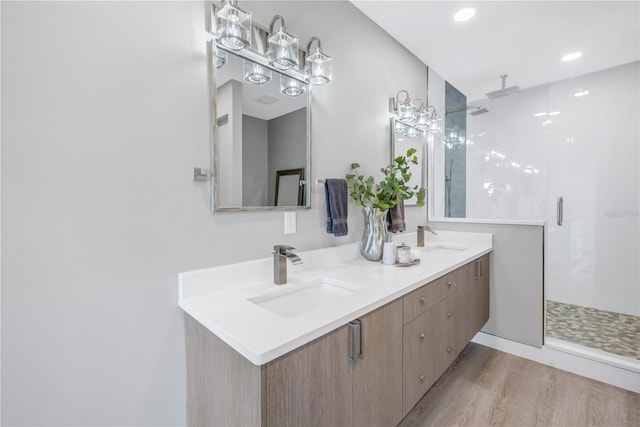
x,y
567,153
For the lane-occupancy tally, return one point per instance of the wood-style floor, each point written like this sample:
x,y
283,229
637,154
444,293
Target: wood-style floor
x,y
487,387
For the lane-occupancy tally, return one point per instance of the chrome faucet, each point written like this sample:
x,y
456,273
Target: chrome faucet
x,y
421,230
280,255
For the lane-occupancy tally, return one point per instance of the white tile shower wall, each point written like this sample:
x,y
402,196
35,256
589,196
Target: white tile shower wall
x,y
557,140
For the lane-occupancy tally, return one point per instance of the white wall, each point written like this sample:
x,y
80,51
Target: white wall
x,y
105,113
519,164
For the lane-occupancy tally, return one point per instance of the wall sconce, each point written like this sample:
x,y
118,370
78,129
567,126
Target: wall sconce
x,y
256,74
291,87
232,25
317,65
413,114
276,49
283,47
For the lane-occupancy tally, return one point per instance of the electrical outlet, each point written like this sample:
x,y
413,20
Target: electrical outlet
x,y
289,223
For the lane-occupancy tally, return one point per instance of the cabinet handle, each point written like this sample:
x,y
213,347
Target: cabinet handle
x,y
422,378
352,341
421,299
360,339
478,269
560,213
481,269
449,349
421,336
451,283
450,314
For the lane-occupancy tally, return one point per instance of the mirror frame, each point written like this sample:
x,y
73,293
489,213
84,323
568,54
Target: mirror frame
x,y
215,134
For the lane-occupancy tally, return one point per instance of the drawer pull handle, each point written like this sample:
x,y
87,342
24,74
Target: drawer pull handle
x,y
421,300
451,283
449,349
422,378
450,314
421,336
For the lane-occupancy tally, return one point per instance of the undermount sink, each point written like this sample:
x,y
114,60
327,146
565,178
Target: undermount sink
x,y
293,300
444,249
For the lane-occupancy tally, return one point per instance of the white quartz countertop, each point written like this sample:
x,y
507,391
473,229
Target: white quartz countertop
x,y
220,298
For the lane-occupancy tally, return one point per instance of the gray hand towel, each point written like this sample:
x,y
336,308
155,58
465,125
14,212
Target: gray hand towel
x,y
337,198
395,218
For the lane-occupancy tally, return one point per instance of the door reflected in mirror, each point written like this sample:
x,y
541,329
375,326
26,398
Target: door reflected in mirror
x,y
261,129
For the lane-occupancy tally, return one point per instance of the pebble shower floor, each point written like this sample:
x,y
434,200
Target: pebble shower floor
x,y
603,330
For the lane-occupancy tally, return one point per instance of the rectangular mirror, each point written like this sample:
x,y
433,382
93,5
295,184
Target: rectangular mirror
x,y
404,137
261,128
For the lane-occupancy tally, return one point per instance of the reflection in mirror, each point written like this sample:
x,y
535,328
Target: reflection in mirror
x,y
261,127
404,137
455,152
289,188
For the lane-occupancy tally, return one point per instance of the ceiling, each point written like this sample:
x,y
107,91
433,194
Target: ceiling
x,y
524,39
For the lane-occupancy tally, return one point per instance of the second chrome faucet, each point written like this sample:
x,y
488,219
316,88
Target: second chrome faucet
x,y
280,255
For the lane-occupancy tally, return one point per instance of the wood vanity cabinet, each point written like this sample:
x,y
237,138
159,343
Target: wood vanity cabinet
x,y
369,372
440,320
314,385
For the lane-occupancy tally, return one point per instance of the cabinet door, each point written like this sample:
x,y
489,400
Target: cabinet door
x,y
311,386
377,383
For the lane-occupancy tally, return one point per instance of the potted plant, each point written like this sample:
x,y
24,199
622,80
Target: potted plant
x,y
376,199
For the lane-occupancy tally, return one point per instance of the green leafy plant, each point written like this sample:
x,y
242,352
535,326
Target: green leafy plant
x,y
393,187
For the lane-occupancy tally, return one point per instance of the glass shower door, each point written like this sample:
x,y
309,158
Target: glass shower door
x,y
592,271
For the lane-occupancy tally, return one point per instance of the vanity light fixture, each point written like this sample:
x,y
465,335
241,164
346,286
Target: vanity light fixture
x,y
291,87
232,25
318,66
256,74
414,114
283,47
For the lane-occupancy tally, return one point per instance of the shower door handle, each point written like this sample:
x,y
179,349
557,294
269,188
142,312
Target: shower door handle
x,y
560,214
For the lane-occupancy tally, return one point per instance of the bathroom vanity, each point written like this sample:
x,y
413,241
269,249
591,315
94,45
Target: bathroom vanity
x,y
345,342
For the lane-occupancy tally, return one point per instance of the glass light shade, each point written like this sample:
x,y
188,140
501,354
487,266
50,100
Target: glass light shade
x,y
411,132
283,50
256,74
233,26
421,117
221,58
399,127
318,67
435,125
291,87
405,110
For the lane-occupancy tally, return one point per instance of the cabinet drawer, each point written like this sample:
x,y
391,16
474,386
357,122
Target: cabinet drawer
x,y
446,352
417,302
420,343
419,377
446,285
447,314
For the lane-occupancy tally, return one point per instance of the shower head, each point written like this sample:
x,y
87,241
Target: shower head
x,y
479,110
505,91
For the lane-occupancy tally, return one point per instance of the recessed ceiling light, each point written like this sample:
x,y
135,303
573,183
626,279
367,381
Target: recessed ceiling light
x,y
554,113
540,114
571,56
464,14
